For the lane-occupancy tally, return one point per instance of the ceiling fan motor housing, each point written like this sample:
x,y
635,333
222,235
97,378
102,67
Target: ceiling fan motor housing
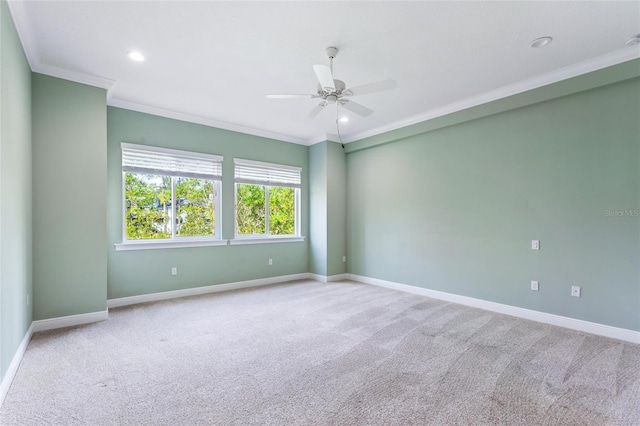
x,y
338,84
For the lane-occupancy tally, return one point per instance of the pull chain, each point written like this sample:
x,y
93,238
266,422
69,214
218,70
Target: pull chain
x,y
338,124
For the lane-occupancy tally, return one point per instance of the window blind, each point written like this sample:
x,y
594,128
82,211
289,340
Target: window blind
x,y
259,173
171,162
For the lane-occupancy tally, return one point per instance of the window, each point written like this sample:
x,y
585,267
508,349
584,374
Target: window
x,y
267,200
170,195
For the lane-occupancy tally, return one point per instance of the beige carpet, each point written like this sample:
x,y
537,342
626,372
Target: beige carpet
x,y
321,354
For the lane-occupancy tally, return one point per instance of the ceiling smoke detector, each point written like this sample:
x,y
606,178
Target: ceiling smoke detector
x,y
541,42
634,40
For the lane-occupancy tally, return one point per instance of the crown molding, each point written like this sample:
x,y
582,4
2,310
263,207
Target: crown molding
x,y
133,106
600,62
78,77
25,34
328,137
318,139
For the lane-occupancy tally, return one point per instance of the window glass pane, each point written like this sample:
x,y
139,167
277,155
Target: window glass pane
x,y
194,207
282,211
250,209
148,206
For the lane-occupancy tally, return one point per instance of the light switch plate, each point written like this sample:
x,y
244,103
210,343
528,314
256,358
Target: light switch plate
x,y
534,285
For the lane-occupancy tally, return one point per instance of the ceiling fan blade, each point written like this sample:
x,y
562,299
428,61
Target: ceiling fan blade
x,y
325,77
362,111
291,96
372,88
315,111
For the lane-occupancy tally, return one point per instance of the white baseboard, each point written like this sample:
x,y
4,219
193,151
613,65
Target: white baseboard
x,y
566,322
69,321
328,279
196,291
338,277
15,363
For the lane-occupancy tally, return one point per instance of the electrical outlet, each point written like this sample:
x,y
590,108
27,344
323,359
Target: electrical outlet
x,y
270,262
534,285
174,271
344,258
575,291
535,244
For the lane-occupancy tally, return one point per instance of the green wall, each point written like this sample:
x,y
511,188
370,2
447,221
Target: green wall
x,y
69,198
328,208
318,208
149,271
336,209
15,191
455,209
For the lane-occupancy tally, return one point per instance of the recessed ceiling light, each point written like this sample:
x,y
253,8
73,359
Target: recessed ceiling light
x,y
541,42
634,40
135,56
344,119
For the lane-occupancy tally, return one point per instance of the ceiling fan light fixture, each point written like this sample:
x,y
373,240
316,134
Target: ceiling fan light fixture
x,y
635,40
344,119
136,56
541,42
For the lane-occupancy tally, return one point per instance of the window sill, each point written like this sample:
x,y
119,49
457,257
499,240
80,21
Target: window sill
x,y
265,240
151,245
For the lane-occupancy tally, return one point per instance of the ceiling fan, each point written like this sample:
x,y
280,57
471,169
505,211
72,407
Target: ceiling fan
x,y
333,91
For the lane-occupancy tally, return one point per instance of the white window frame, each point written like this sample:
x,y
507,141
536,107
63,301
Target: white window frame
x,y
267,183
175,241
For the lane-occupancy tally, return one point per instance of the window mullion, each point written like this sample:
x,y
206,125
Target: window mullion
x,y
266,210
124,206
173,207
216,209
235,210
296,207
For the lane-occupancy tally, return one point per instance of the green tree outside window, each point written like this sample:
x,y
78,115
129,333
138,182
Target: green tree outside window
x,y
251,217
148,207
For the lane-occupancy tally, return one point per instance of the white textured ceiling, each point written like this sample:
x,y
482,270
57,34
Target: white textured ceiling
x,y
214,62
